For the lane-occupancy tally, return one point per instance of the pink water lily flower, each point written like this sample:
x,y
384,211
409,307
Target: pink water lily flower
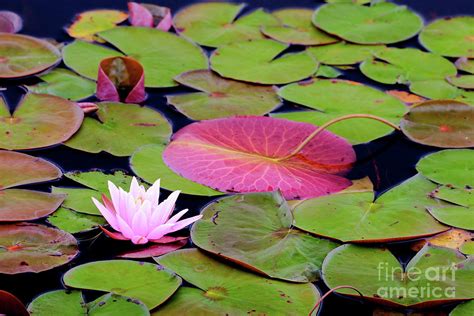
x,y
138,216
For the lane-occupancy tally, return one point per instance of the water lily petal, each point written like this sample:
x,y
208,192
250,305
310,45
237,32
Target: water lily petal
x,y
113,235
153,193
114,195
139,240
138,15
185,222
135,188
160,231
176,217
140,221
167,206
108,215
124,228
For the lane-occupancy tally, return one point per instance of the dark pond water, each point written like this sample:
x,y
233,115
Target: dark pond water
x,y
387,161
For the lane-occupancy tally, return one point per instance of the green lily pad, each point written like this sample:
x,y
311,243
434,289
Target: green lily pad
x,y
39,120
451,36
79,200
462,217
215,24
327,72
382,22
465,97
221,97
139,280
255,230
87,24
163,55
22,55
343,53
440,123
222,289
34,248
74,222
349,1
465,64
462,81
334,98
399,214
147,163
453,167
120,129
258,62
66,84
424,72
71,303
467,248
296,28
463,309
442,272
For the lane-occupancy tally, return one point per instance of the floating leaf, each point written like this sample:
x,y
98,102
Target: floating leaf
x,y
424,72
163,55
222,289
249,154
214,25
22,55
378,275
10,305
64,83
399,214
453,239
258,62
10,22
39,120
468,248
464,309
440,123
150,15
296,28
154,250
382,22
255,230
453,215
34,248
349,1
334,98
147,163
121,78
74,222
451,36
140,280
72,303
405,97
120,129
465,64
87,24
327,72
343,53
221,97
462,81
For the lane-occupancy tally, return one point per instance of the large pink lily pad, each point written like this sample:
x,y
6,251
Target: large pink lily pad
x,y
34,248
241,154
40,120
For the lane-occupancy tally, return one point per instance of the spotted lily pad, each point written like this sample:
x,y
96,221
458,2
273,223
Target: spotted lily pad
x,y
72,303
440,123
74,222
334,98
296,28
450,167
138,280
89,23
382,22
465,64
163,55
464,309
399,214
34,248
39,120
11,305
460,213
250,154
462,81
22,55
451,36
147,163
215,24
255,230
258,62
120,129
425,73
343,53
381,278
221,289
64,83
220,97
453,239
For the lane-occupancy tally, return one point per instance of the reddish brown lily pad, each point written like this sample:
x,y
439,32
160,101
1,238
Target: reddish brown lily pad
x,y
440,123
121,78
40,120
22,55
154,250
248,154
34,248
10,305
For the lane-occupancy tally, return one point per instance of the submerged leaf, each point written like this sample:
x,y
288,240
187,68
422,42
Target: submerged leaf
x,y
89,23
150,15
